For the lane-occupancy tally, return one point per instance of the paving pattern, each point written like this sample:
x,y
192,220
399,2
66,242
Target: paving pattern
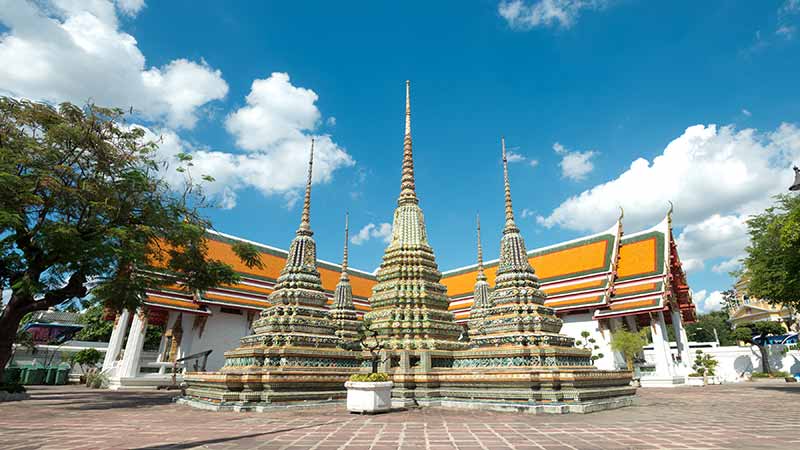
x,y
744,416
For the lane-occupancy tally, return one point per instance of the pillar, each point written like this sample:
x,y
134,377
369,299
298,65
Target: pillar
x,y
681,339
133,349
663,355
633,327
117,336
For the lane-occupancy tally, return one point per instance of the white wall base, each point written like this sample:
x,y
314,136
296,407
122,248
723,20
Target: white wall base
x,y
142,383
656,381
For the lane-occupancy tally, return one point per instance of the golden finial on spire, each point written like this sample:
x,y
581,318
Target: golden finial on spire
x,y
509,209
621,214
346,236
481,275
407,188
305,220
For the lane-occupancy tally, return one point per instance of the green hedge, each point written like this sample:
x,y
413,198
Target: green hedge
x,y
369,377
776,374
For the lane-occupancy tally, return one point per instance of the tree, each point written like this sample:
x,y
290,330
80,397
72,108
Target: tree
x,y
82,199
86,357
702,330
629,344
704,365
590,344
772,263
368,340
755,334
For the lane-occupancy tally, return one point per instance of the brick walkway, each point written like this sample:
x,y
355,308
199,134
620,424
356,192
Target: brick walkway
x,y
745,416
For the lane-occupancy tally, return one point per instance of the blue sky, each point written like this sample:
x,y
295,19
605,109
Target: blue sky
x,y
604,103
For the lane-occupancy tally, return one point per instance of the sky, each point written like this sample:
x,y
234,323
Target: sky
x,y
603,103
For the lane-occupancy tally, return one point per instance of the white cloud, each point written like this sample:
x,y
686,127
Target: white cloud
x,y
331,122
715,237
786,31
574,165
746,112
729,265
716,177
74,51
790,7
707,302
130,7
527,213
381,231
514,157
522,15
533,162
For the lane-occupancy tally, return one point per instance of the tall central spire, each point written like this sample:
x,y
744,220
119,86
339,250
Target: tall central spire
x,y
409,304
408,192
510,224
344,276
481,275
305,219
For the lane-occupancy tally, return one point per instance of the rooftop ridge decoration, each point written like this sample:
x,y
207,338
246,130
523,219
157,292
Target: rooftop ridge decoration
x,y
409,304
517,314
343,311
298,313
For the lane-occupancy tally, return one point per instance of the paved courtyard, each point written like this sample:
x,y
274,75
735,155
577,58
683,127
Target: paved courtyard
x,y
744,416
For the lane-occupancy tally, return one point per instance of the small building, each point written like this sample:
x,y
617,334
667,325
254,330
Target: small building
x,y
746,309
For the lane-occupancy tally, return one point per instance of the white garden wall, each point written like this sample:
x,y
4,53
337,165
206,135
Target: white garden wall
x,y
737,363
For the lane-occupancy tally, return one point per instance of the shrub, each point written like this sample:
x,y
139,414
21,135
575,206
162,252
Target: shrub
x,y
369,377
96,380
86,357
776,374
12,388
704,364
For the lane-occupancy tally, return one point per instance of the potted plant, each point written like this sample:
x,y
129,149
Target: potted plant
x,y
704,367
369,392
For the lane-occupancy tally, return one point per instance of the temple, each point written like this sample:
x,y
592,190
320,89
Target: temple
x,y
498,334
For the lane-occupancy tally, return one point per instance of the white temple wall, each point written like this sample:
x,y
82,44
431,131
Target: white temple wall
x,y
575,323
221,333
737,363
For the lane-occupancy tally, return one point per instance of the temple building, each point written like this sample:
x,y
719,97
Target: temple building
x,y
443,333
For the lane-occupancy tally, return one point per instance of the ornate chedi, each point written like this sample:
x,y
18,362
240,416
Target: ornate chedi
x,y
409,304
514,359
343,311
516,313
295,353
481,301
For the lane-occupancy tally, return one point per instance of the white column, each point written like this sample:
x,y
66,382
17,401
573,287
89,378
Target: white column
x,y
681,339
117,336
614,325
658,328
133,349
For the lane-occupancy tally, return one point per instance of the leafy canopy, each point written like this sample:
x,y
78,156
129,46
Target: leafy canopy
x,y
83,202
772,263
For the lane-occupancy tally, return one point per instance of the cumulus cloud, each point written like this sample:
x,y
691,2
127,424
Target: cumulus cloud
x,y
514,157
715,237
746,112
707,302
786,31
370,231
522,15
74,51
716,177
574,165
527,213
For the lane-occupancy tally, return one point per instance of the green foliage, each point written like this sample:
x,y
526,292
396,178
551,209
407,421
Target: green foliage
x,y
589,343
775,374
758,329
86,357
629,344
703,329
96,328
12,388
96,379
772,264
704,364
82,198
369,377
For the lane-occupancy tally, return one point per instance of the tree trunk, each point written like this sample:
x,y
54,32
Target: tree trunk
x,y
9,322
764,359
629,363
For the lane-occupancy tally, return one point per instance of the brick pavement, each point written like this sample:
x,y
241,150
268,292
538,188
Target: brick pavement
x,y
745,416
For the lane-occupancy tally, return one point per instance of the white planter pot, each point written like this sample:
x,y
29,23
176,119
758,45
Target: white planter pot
x,y
694,381
369,397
